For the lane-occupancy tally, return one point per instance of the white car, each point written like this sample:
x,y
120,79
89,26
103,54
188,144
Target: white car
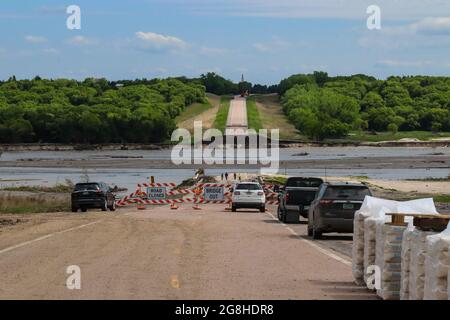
x,y
248,195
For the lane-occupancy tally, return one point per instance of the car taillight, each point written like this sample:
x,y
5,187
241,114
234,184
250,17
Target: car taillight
x,y
286,197
326,202
236,193
260,193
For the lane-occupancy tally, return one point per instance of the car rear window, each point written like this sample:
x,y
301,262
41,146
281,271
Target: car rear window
x,y
86,186
304,183
248,186
354,193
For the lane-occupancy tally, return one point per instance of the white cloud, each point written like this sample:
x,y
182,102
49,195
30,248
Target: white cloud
x,y
155,41
276,44
80,41
349,9
427,32
52,51
35,39
403,64
212,51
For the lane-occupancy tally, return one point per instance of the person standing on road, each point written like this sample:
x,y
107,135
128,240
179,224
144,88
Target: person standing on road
x,y
221,177
234,175
226,176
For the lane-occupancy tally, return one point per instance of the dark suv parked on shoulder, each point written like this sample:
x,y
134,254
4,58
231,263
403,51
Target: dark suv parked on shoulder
x,y
93,195
334,208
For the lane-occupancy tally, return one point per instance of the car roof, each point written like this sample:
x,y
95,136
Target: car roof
x,y
247,182
345,184
81,183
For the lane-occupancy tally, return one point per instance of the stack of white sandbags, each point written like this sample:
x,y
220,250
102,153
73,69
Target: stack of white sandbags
x,y
388,258
406,261
389,246
437,263
369,244
417,263
371,216
358,247
370,207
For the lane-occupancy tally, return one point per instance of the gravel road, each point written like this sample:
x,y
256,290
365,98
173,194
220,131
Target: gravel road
x,y
165,254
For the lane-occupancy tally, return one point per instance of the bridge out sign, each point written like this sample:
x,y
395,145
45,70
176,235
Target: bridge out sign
x,y
156,193
213,193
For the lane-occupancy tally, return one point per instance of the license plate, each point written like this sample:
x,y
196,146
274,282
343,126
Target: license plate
x,y
305,207
348,206
85,193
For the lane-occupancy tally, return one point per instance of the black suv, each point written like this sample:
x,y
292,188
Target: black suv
x,y
93,195
334,207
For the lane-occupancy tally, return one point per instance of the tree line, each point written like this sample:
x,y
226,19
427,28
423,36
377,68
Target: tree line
x,y
143,110
330,107
93,110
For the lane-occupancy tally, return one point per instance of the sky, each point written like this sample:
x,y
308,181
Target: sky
x,y
266,40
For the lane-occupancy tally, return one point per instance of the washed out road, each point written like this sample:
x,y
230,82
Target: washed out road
x,y
170,254
237,114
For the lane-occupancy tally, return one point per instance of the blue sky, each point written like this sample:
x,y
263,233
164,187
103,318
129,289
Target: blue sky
x,y
266,40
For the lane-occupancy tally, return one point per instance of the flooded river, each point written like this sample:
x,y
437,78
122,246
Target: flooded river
x,y
129,177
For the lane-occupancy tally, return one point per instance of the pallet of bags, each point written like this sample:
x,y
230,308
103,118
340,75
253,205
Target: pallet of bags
x,y
437,263
370,243
373,213
389,259
370,208
417,263
406,261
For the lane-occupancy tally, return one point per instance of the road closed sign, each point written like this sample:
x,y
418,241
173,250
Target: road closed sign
x,y
213,193
156,193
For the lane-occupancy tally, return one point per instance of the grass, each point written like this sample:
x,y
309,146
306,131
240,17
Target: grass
x,y
11,202
444,198
272,117
359,177
192,111
58,188
254,120
33,208
222,115
388,136
275,180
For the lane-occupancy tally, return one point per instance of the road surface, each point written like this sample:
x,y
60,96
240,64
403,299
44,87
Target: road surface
x,y
237,115
166,254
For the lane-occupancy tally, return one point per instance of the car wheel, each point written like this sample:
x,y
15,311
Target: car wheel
x,y
113,206
74,209
105,205
279,213
233,208
310,232
262,209
316,234
283,217
83,209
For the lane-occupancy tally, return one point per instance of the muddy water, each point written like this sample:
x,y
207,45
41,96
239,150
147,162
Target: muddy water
x,y
129,177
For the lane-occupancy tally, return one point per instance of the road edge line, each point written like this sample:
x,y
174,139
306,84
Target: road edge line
x,y
312,244
23,244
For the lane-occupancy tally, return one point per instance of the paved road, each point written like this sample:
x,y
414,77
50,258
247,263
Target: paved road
x,y
237,115
164,254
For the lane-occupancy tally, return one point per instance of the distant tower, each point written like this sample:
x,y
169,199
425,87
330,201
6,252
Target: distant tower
x,y
242,87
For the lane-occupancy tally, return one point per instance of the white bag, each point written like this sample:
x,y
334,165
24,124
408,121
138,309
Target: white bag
x,y
417,264
437,266
370,208
406,260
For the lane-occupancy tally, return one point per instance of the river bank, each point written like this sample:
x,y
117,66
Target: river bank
x,y
284,144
